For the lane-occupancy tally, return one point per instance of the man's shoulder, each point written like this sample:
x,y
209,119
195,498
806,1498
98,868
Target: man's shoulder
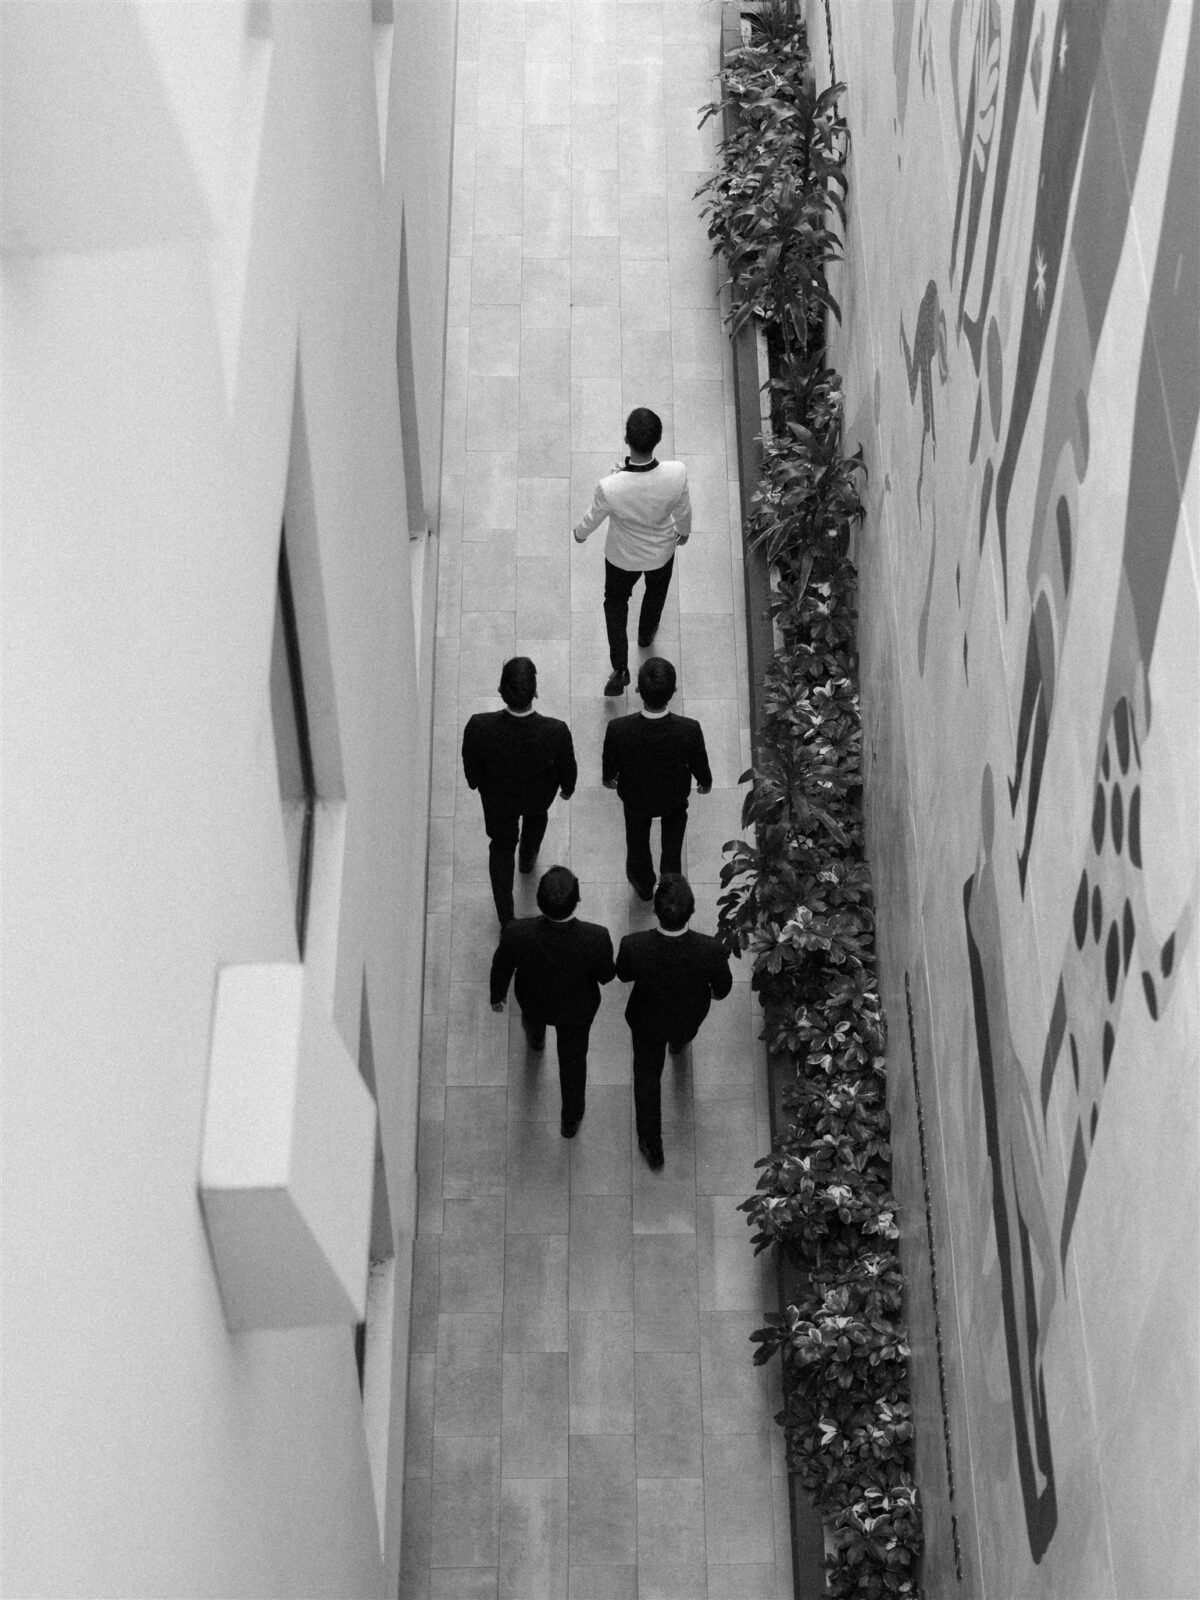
x,y
620,727
593,932
481,720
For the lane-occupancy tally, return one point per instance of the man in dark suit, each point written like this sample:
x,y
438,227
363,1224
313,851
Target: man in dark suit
x,y
560,964
518,760
650,759
675,974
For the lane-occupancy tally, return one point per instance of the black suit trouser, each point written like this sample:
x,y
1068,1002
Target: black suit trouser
x,y
649,1058
618,586
639,864
571,1040
506,830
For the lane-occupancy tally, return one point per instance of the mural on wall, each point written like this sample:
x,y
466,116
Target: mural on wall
x,y
1040,458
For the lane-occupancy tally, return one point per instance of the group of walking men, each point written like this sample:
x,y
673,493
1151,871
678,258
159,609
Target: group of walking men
x,y
519,761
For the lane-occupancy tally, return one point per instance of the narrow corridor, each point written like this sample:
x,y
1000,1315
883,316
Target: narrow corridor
x,y
585,1421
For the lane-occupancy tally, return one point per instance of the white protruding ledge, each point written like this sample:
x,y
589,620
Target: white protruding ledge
x,y
287,1168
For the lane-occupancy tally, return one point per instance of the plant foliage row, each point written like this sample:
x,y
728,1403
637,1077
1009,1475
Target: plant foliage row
x,y
797,895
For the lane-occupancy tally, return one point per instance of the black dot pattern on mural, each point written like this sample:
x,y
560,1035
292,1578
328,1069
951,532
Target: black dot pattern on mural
x,y
1118,817
1092,1126
1098,814
1121,725
1064,539
1075,1060
1127,931
1151,996
1104,763
1097,913
1081,912
1135,828
1112,960
1167,959
1110,1040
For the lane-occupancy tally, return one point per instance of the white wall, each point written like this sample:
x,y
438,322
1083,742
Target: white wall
x,y
196,230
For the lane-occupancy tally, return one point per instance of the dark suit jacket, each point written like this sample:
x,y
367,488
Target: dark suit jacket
x,y
559,967
518,763
673,980
653,761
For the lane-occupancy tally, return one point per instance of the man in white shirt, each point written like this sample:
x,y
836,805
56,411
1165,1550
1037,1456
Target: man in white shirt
x,y
649,513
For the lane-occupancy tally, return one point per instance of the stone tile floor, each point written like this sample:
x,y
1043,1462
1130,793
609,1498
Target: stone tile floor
x,y
585,1421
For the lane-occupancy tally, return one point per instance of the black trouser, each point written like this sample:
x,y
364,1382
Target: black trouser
x,y
639,864
506,830
649,1056
618,586
571,1040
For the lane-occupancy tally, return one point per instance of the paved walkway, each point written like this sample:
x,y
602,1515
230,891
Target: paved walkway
x,y
585,1422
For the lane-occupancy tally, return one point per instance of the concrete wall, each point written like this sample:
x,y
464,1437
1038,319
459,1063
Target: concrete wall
x,y
202,231
1020,350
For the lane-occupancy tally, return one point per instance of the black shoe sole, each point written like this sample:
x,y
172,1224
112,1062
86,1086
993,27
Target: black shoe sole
x,y
655,1159
617,684
569,1129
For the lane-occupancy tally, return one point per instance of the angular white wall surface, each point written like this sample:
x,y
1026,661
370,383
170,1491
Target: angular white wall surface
x,y
288,1162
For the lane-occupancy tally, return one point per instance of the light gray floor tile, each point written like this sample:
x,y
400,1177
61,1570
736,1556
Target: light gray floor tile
x,y
594,137
665,1300
665,1201
473,1154
713,820
644,306
602,1501
726,1148
472,1256
462,1583
602,1583
600,1151
414,1556
538,1180
601,1254
533,1538
489,578
601,1386
495,349
734,1390
743,1583
423,1311
671,1562
493,403
430,1136
535,1292
547,92
418,1423
534,1432
468,1383
545,292
496,276
709,667
465,1511
548,31
732,1277
598,836
595,279
643,224
547,220
667,1415
595,204
738,1517
476,1052
489,493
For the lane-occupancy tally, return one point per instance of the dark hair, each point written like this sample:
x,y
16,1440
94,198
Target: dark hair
x,y
558,893
656,683
518,683
674,901
643,430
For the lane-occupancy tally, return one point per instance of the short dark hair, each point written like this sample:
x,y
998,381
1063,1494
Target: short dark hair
x,y
656,683
518,683
643,429
558,893
674,901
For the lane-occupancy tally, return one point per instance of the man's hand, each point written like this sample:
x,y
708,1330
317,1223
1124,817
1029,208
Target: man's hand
x,y
682,538
704,788
497,1005
610,783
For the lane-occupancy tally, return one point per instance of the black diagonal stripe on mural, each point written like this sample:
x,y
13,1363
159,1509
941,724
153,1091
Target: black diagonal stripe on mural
x,y
1074,61
978,128
1103,167
1018,61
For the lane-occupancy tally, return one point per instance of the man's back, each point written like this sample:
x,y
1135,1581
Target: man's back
x,y
648,509
674,977
518,761
654,759
559,967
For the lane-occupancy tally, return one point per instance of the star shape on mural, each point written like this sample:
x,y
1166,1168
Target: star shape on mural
x,y
1062,50
1039,279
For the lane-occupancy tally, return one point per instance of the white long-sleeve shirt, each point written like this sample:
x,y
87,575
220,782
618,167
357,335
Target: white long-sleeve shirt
x,y
649,512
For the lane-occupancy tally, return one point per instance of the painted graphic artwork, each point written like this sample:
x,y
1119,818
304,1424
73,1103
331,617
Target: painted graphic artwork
x,y
1026,365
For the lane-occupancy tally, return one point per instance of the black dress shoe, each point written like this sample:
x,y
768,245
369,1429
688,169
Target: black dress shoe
x,y
536,1042
642,890
618,679
569,1127
524,865
645,640
677,1049
653,1151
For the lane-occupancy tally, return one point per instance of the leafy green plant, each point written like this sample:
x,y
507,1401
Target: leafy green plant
x,y
807,501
